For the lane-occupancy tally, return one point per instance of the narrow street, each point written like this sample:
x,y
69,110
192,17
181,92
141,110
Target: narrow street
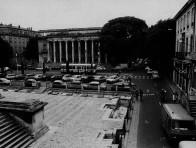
x,y
146,130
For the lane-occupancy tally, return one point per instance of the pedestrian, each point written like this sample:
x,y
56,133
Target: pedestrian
x,y
129,80
141,94
136,94
175,97
162,93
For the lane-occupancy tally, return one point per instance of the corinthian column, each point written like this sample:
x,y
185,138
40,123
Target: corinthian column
x,y
66,50
72,51
54,51
48,50
99,55
79,51
92,52
60,50
86,52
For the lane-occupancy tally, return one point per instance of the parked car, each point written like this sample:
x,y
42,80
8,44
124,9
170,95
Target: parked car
x,y
6,68
76,78
155,74
94,86
74,85
4,81
117,68
55,77
121,87
113,79
30,67
87,79
40,77
149,72
58,84
29,76
147,68
100,78
32,83
20,77
11,76
66,77
100,68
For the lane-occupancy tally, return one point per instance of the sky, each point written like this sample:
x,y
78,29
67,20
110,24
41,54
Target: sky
x,y
62,14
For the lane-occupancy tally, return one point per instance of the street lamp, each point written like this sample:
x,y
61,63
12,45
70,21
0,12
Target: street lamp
x,y
16,64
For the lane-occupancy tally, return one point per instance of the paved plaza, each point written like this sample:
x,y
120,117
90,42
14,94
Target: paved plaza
x,y
74,120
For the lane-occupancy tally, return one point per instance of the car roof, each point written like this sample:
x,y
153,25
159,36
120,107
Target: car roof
x,y
177,112
94,82
58,81
30,80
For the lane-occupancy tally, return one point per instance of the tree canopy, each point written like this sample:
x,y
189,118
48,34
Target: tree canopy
x,y
31,51
6,53
123,38
160,44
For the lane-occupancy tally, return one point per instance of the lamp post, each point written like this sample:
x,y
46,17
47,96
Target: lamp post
x,y
16,64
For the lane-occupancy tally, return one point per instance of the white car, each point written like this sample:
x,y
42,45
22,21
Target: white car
x,y
113,79
147,68
155,74
66,77
11,76
149,72
94,86
76,78
4,81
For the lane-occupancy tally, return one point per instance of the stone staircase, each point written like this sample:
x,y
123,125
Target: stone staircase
x,y
12,134
192,105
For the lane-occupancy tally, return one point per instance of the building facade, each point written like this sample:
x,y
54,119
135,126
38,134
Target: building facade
x,y
76,45
184,73
16,36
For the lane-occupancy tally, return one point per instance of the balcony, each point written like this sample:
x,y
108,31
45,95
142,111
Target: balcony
x,y
186,55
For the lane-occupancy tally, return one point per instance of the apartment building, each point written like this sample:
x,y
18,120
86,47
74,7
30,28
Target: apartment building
x,y
16,36
184,72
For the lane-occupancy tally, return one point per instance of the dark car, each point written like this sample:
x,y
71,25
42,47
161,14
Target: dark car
x,y
94,86
99,78
55,77
121,87
20,77
40,77
4,81
32,83
87,79
74,85
58,84
29,76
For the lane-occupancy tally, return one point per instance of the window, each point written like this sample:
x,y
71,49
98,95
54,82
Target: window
x,y
188,17
191,44
187,43
192,16
184,21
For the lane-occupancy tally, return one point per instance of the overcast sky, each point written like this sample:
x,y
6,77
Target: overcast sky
x,y
61,14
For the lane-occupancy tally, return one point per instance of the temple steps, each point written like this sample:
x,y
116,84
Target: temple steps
x,y
12,134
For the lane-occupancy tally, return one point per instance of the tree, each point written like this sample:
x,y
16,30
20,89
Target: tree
x,y
6,54
31,51
123,38
160,45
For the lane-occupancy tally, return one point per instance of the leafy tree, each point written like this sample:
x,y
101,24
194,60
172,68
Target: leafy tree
x,y
31,51
6,54
160,45
123,38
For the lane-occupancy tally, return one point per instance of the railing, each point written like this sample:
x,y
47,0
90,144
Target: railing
x,y
185,55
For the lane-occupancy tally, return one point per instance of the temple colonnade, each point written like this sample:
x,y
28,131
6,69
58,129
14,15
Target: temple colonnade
x,y
74,51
